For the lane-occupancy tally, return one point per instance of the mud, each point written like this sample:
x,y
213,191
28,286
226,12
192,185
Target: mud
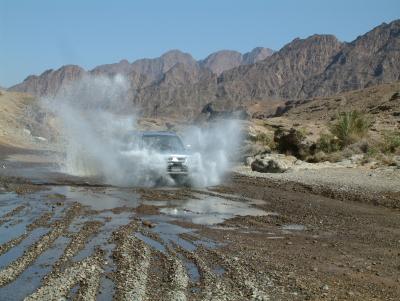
x,y
248,239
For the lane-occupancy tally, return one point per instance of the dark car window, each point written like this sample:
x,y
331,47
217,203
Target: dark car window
x,y
163,143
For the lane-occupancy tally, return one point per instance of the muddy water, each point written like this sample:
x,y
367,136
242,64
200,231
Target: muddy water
x,y
112,207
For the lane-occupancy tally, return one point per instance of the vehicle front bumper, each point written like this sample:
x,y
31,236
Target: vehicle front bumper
x,y
177,169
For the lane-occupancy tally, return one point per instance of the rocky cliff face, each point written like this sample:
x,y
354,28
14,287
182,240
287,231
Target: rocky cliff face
x,y
371,59
177,84
155,69
257,54
282,74
316,66
50,81
223,60
173,68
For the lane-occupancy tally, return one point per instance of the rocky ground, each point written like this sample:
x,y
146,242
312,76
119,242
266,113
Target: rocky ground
x,y
306,231
289,236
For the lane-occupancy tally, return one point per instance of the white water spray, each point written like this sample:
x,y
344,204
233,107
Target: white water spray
x,y
96,120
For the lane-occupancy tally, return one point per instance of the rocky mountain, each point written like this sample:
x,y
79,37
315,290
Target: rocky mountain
x,y
173,67
274,77
319,65
177,84
156,68
370,59
282,74
144,72
257,54
223,60
50,81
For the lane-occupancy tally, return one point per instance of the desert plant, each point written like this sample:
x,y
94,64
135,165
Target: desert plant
x,y
319,156
391,141
328,143
350,127
291,142
264,139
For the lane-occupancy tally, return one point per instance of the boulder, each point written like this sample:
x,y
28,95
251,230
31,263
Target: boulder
x,y
250,150
273,163
249,160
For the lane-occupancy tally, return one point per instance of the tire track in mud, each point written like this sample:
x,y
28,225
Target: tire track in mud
x,y
237,283
132,258
168,279
212,287
178,280
77,243
40,222
86,273
249,284
141,269
6,217
14,269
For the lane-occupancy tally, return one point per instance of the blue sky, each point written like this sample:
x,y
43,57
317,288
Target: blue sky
x,y
36,35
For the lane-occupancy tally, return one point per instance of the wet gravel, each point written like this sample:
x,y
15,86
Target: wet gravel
x,y
310,243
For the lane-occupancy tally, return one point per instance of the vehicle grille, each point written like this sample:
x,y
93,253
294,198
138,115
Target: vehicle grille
x,y
175,166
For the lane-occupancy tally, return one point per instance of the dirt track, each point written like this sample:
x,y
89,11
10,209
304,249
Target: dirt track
x,y
177,244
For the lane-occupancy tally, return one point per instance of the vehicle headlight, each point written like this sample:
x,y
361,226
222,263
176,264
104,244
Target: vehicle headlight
x,y
172,160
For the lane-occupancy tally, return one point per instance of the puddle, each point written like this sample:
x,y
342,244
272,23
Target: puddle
x,y
101,238
294,227
233,196
170,234
219,271
98,199
191,269
8,202
31,278
202,209
18,250
210,210
17,224
106,290
73,293
151,242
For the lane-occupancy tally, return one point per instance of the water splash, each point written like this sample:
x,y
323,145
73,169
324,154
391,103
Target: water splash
x,y
95,116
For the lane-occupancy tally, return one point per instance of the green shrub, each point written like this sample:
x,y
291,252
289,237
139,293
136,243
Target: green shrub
x,y
319,156
350,127
391,141
328,143
291,142
264,139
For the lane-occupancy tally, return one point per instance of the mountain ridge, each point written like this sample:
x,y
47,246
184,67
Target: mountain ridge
x,y
175,83
153,70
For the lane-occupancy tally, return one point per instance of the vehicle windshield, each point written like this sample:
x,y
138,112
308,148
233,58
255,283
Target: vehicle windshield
x,y
163,143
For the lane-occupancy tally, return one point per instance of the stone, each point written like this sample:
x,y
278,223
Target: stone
x,y
273,163
148,224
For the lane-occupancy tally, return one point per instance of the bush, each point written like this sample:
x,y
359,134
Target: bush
x,y
263,139
291,142
328,143
317,157
391,141
350,127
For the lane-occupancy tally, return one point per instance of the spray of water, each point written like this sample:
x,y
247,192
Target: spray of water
x,y
213,150
96,120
